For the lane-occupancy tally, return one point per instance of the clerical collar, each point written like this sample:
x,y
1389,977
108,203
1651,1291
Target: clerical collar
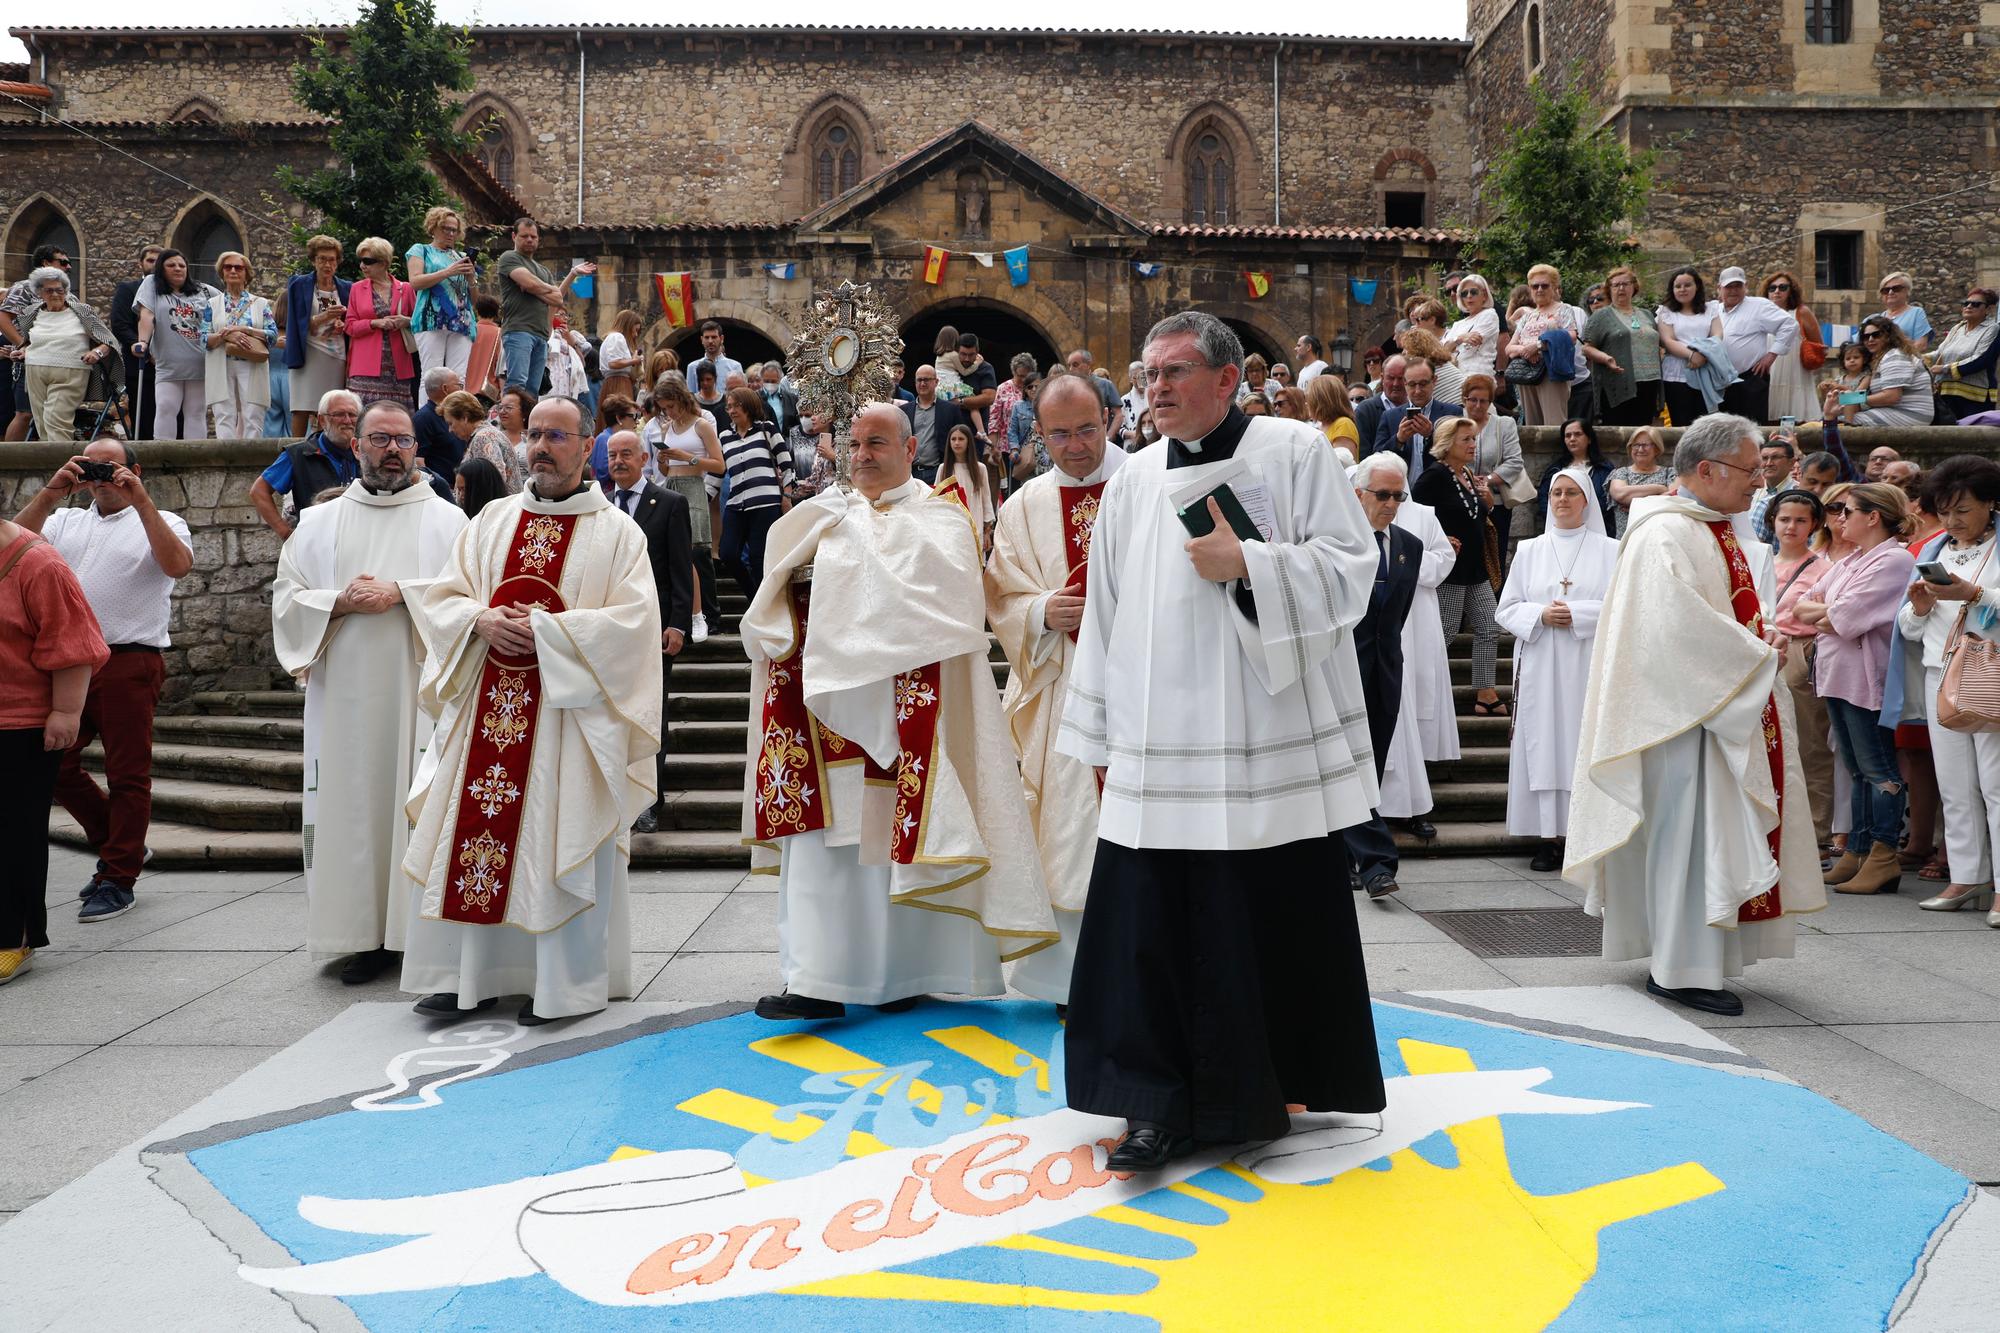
x,y
1213,447
897,494
1100,473
586,497
416,491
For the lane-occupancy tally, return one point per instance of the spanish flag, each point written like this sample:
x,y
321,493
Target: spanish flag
x,y
676,292
934,264
1260,284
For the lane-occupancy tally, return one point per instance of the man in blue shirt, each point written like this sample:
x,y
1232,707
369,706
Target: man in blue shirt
x,y
324,458
712,355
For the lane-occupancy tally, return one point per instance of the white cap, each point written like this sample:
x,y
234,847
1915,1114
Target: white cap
x,y
1730,275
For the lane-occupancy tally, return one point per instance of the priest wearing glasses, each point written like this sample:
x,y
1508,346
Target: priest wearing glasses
x,y
1219,978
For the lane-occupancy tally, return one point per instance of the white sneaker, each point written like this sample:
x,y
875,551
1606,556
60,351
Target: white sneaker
x,y
700,634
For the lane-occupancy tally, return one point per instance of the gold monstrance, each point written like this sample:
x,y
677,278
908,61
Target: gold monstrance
x,y
841,362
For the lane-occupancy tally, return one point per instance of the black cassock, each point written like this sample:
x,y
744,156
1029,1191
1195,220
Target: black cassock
x,y
1213,987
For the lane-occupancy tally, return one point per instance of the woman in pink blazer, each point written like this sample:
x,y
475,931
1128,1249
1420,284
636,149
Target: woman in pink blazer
x,y
379,364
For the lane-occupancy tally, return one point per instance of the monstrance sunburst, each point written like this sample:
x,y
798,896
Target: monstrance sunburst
x,y
842,362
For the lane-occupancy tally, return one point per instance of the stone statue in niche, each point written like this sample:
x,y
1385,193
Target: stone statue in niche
x,y
972,204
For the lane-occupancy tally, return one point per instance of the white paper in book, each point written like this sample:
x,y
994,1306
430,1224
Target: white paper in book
x,y
1236,474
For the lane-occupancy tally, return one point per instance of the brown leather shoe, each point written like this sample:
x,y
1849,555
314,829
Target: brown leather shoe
x,y
1842,870
1880,872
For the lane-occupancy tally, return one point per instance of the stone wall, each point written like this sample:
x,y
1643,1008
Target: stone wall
x,y
1576,45
221,622
705,127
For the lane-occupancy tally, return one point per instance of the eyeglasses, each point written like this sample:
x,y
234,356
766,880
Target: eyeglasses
x,y
341,415
1174,372
1872,333
628,416
1539,286
1975,305
372,259
60,263
1779,287
539,435
1836,508
1061,438
1389,497
383,440
1899,287
235,268
1735,467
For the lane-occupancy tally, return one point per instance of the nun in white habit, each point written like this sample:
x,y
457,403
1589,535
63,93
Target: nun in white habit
x,y
1550,604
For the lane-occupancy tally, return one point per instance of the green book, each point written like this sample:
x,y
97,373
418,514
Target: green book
x,y
1199,522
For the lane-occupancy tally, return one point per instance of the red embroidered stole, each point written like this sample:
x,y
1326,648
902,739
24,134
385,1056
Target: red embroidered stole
x,y
1749,611
1079,510
798,749
508,709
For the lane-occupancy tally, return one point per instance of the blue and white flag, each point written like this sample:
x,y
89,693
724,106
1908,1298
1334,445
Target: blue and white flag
x,y
1147,270
1017,265
786,271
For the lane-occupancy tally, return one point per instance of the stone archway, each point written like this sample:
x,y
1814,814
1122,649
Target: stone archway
x,y
750,332
40,220
1259,335
1046,324
1003,333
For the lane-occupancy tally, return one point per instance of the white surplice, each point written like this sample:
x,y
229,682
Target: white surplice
x,y
1406,784
1030,564
1551,669
565,940
895,588
1223,732
1674,801
363,729
1425,653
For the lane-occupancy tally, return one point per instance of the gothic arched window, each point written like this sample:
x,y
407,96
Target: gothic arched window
x,y
836,161
496,151
1211,180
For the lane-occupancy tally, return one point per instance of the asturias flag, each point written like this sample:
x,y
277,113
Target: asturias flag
x,y
1017,266
934,264
676,298
1260,284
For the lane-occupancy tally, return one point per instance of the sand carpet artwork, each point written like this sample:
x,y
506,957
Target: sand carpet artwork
x,y
1568,1159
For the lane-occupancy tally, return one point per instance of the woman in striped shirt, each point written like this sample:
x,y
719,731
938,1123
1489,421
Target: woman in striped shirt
x,y
758,463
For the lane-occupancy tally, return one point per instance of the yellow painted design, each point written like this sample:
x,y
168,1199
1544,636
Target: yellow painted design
x,y
1413,1248
817,1055
626,1152
756,1116
998,1054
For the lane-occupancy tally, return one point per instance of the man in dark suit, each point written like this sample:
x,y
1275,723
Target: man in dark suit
x,y
783,402
931,419
439,449
663,515
1382,486
125,328
1368,415
1406,431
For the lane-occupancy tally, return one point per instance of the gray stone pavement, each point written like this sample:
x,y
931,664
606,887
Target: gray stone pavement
x,y
1891,1012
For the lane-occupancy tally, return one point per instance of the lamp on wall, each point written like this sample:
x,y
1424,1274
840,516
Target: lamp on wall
x,y
1341,356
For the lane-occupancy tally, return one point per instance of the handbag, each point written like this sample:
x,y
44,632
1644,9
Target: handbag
x,y
1520,491
1520,370
1968,698
1812,355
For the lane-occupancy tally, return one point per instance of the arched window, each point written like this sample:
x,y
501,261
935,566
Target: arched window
x,y
1531,37
836,161
42,223
197,110
205,231
1211,180
496,151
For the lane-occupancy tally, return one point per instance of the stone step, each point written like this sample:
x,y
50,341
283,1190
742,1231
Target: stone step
x,y
1474,763
1468,801
245,766
261,733
249,703
1484,837
1463,695
1484,732
689,848
226,806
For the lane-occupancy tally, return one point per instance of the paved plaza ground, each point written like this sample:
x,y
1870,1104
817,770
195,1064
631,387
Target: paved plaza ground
x,y
1887,1011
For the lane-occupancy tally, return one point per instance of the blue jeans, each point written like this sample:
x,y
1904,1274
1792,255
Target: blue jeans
x,y
1869,751
527,360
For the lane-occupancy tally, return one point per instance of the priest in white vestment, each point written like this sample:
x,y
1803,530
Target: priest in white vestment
x,y
1551,603
879,783
1427,724
1034,599
340,623
543,638
1426,655
1690,830
1218,974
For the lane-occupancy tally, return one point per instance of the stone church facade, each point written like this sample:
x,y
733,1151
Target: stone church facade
x,y
1317,161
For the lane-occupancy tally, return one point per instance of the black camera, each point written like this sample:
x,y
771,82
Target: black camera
x,y
93,471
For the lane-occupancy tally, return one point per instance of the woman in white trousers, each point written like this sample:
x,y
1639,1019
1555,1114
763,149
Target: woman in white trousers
x,y
241,333
1964,492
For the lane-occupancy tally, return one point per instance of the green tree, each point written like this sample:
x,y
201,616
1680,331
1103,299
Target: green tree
x,y
1561,192
386,96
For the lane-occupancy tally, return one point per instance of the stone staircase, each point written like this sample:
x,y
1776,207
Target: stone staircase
x,y
227,775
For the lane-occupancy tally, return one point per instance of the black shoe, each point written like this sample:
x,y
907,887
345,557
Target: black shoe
x,y
1148,1148
105,901
903,1005
648,822
1727,1003
1421,828
1547,859
1381,885
444,1004
367,965
786,1005
1062,1013
528,1018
